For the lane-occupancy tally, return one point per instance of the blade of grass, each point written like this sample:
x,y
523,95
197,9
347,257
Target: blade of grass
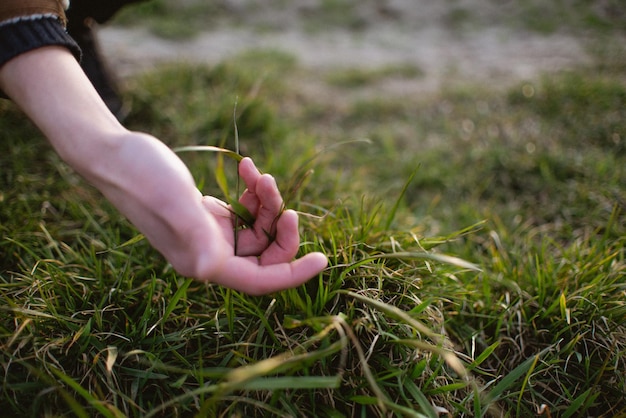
x,y
220,178
240,377
241,212
393,312
507,382
173,302
304,170
290,382
420,398
210,148
447,259
403,410
237,193
576,404
108,411
482,357
396,205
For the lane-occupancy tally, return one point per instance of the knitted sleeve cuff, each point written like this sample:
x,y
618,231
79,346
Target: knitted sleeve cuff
x,y
23,35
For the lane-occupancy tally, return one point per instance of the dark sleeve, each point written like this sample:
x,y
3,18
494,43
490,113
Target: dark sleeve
x,y
26,34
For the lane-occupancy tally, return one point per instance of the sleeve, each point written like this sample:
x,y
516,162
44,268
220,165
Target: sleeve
x,y
16,9
29,24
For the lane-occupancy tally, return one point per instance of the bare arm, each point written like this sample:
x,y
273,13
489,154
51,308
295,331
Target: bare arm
x,y
151,186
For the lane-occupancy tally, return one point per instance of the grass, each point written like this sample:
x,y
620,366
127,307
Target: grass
x,y
181,20
172,20
353,77
476,244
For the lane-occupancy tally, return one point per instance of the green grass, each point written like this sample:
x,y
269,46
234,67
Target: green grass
x,y
356,77
182,20
172,19
476,245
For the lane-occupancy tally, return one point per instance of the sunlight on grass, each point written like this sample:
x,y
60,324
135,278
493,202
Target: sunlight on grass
x,y
476,247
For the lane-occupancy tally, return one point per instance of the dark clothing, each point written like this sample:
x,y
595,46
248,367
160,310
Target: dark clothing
x,y
99,10
31,33
31,24
81,16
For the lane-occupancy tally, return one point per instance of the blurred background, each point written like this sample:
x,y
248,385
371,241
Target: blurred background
x,y
505,106
492,42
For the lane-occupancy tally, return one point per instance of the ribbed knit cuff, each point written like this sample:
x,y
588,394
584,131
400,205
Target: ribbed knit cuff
x,y
17,37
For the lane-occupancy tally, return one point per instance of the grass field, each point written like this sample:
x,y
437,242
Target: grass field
x,y
475,236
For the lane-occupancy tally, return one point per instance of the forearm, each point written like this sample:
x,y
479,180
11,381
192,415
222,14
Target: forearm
x,y
51,88
136,172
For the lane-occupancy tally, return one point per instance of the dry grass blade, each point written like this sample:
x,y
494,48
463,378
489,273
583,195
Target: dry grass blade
x,y
209,148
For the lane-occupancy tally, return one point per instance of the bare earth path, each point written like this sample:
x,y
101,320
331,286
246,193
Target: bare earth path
x,y
493,55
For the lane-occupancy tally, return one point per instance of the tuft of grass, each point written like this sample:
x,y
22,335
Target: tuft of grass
x,y
170,19
181,20
577,15
564,299
355,78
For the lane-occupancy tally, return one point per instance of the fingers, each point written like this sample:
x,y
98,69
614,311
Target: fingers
x,y
282,249
274,238
262,198
246,275
250,175
261,190
271,204
287,241
248,172
262,265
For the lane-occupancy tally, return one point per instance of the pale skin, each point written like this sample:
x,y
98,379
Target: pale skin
x,y
153,188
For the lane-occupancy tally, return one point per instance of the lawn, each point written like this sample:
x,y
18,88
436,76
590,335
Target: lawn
x,y
476,242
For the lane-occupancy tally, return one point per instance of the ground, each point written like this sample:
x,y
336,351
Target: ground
x,y
449,41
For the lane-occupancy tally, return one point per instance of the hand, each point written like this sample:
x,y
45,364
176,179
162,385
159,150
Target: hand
x,y
259,257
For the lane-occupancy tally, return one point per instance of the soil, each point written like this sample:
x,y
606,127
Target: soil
x,y
395,32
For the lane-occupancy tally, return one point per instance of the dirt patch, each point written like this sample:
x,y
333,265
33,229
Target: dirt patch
x,y
414,32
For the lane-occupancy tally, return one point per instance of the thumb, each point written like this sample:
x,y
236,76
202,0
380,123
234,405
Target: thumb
x,y
246,275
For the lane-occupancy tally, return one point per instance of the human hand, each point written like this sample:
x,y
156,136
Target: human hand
x,y
154,189
259,258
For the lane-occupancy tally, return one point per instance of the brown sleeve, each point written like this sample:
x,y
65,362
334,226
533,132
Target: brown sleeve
x,y
13,9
